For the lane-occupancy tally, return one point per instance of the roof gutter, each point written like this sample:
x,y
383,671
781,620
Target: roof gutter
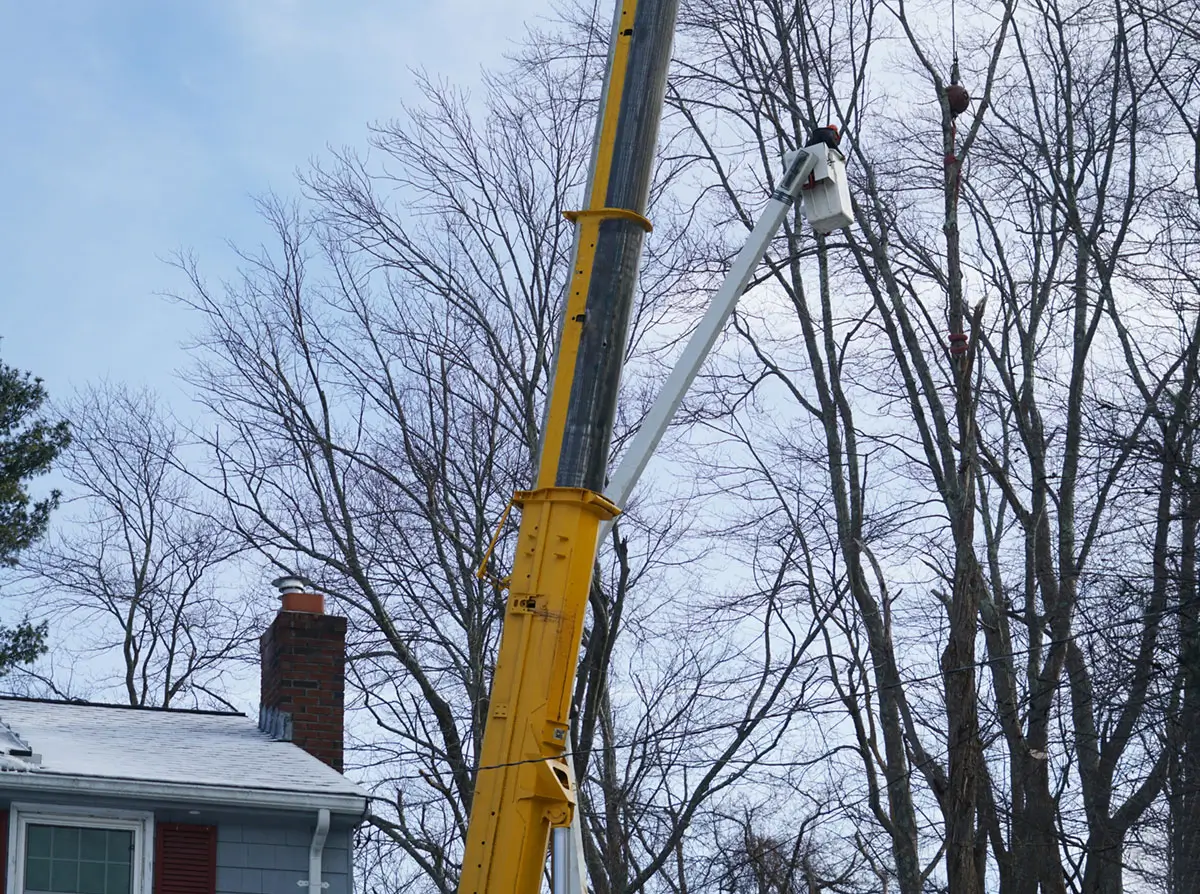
x,y
342,803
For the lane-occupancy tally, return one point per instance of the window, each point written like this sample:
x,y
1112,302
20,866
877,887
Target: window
x,y
68,851
74,860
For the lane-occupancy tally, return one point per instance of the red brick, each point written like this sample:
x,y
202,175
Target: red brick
x,y
304,674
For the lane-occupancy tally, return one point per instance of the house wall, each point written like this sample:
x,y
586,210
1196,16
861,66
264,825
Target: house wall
x,y
263,853
271,859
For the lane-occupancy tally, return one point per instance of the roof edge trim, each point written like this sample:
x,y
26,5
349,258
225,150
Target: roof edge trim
x,y
214,795
82,703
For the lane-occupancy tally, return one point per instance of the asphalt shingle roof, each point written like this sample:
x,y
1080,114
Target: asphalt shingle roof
x,y
179,747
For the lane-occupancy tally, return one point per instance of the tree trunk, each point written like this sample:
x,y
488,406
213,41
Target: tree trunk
x,y
1105,849
958,658
1184,800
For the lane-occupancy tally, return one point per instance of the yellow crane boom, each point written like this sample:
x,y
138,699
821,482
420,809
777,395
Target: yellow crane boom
x,y
523,785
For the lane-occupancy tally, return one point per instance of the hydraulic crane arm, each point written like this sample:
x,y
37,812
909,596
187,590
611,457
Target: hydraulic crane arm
x,y
569,873
523,785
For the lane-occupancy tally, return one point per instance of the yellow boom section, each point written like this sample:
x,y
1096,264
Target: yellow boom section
x,y
587,226
523,785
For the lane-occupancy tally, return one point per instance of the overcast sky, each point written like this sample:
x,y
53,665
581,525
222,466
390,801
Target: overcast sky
x,y
135,128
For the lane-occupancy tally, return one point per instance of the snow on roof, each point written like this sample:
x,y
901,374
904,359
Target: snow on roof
x,y
188,748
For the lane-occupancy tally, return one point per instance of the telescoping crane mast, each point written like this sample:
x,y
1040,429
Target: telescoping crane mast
x,y
523,785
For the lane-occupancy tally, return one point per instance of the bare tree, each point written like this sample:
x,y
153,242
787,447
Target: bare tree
x,y
990,467
141,568
1166,35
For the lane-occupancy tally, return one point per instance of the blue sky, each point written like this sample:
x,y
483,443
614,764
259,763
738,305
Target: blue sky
x,y
136,128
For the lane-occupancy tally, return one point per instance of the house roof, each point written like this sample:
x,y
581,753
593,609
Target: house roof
x,y
199,756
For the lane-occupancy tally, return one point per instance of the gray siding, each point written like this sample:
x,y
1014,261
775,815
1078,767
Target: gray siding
x,y
269,859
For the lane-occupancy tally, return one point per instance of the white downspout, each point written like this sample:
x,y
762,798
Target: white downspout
x,y
315,850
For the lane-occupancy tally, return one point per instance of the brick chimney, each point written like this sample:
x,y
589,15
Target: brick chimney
x,y
304,673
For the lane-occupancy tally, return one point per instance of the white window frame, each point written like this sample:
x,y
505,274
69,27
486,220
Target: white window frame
x,y
140,822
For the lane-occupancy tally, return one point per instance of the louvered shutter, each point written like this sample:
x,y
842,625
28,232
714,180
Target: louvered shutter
x,y
185,859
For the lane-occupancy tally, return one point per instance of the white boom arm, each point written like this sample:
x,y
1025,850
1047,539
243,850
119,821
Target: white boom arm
x,y
799,164
569,872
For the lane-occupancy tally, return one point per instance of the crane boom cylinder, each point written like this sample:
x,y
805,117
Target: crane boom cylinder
x,y
522,786
600,293
587,430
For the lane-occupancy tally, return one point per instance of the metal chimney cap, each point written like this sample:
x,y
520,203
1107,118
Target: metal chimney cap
x,y
293,583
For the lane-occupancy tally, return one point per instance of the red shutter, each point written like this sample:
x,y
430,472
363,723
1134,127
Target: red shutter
x,y
185,859
3,850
